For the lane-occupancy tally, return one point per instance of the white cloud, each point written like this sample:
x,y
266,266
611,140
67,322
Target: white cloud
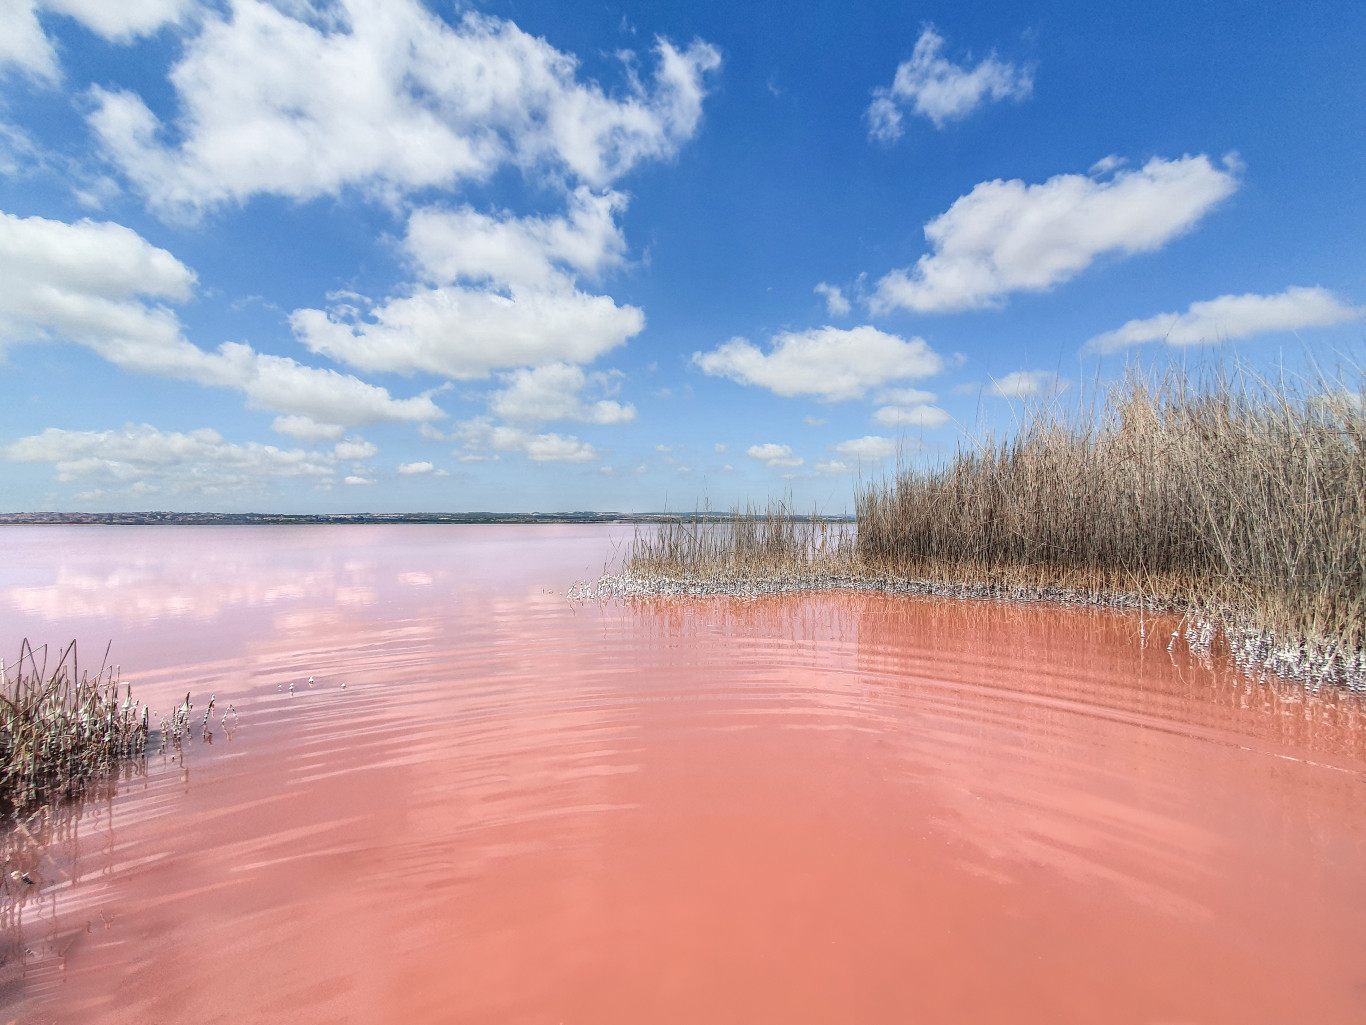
x,y
832,467
1025,383
144,458
827,362
533,252
867,448
481,433
354,449
123,20
545,448
465,333
498,292
307,429
772,454
1231,317
385,96
904,396
884,125
414,468
916,415
835,302
815,421
720,446
90,283
355,480
552,392
1105,165
1006,236
940,90
23,45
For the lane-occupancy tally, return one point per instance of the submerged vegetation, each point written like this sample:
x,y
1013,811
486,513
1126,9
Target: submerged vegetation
x,y
1237,501
62,730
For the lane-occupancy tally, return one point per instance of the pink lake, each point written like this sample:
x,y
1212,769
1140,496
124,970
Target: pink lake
x,y
520,809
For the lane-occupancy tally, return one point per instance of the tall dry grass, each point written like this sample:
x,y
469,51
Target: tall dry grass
x,y
1234,498
61,729
770,544
1237,497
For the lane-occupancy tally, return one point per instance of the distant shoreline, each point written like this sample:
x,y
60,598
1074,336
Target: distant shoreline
x,y
146,519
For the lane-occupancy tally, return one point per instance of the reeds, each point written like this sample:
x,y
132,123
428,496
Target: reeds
x,y
63,729
1236,500
774,548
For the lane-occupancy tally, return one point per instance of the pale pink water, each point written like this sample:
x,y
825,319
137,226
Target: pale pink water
x,y
830,808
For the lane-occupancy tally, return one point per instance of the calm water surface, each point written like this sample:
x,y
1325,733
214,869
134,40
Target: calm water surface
x,y
832,808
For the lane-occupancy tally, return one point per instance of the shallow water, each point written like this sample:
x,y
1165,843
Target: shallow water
x,y
825,808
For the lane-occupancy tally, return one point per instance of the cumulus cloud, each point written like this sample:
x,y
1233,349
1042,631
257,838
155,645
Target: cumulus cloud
x,y
468,246
145,459
772,454
1007,236
104,286
1023,384
356,480
481,434
354,449
499,292
125,20
940,90
827,362
544,448
553,392
386,97
835,302
832,467
307,429
415,468
25,46
868,448
904,396
465,333
916,415
1230,317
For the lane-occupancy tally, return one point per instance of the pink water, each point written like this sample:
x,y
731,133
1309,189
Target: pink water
x,y
829,808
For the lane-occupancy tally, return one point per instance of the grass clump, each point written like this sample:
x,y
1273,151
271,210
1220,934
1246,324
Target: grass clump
x,y
771,548
1236,500
63,729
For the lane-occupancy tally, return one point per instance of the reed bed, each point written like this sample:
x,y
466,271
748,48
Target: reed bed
x,y
1237,501
769,545
64,729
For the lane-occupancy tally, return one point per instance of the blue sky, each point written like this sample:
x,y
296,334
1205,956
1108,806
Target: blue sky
x,y
391,255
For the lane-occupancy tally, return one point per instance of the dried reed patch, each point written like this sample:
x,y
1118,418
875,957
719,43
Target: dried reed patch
x,y
1238,501
61,730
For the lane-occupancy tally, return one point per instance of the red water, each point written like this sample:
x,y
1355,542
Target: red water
x,y
829,808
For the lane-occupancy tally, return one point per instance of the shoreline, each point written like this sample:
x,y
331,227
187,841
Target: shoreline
x,y
1254,651
155,519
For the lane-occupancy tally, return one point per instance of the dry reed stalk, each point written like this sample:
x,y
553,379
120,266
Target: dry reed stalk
x,y
60,731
